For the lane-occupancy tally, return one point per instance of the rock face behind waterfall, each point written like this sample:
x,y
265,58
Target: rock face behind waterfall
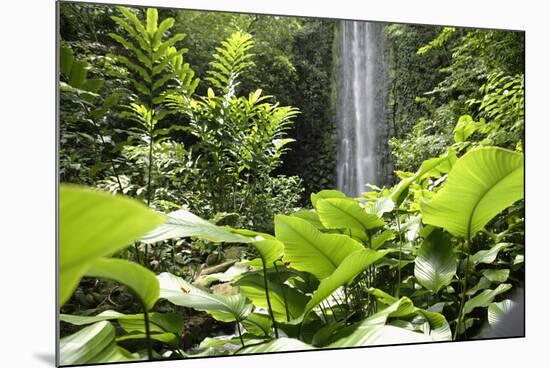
x,y
363,128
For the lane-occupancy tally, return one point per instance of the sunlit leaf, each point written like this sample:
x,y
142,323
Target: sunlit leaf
x,y
350,267
346,214
307,249
182,224
92,345
226,308
141,280
92,225
268,246
481,184
497,276
489,256
376,334
496,311
281,295
277,345
485,298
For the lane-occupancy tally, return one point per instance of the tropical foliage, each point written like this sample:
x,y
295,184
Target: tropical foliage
x,y
186,232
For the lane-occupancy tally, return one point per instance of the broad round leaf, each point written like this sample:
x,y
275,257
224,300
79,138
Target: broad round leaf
x,y
344,213
398,193
251,285
439,327
277,345
182,224
141,280
481,184
311,216
92,345
169,322
496,311
307,249
92,225
489,256
435,264
485,298
323,194
225,308
344,274
368,335
268,246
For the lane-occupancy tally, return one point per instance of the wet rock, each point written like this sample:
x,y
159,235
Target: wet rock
x,y
224,289
222,267
234,253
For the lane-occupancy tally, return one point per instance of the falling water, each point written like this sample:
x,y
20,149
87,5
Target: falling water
x,y
361,111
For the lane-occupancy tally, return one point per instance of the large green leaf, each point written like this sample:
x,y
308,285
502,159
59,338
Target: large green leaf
x,y
165,337
86,320
66,58
439,327
488,256
79,73
307,249
226,308
258,324
182,224
92,345
376,334
435,265
349,268
277,345
380,239
311,216
482,284
496,311
142,281
169,322
344,213
251,285
480,185
437,164
380,206
93,225
497,276
268,246
465,127
485,298
324,194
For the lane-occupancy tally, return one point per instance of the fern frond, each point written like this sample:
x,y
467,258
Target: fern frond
x,y
230,59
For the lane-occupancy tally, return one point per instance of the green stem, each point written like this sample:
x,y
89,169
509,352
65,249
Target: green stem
x,y
283,291
151,131
323,312
146,257
459,321
268,300
240,333
148,333
346,297
339,305
98,131
147,327
150,169
137,253
332,310
172,248
398,288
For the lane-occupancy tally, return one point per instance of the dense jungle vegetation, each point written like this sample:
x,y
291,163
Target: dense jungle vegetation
x,y
198,208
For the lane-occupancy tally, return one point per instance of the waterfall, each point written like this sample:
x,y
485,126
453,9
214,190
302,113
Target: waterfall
x,y
361,109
